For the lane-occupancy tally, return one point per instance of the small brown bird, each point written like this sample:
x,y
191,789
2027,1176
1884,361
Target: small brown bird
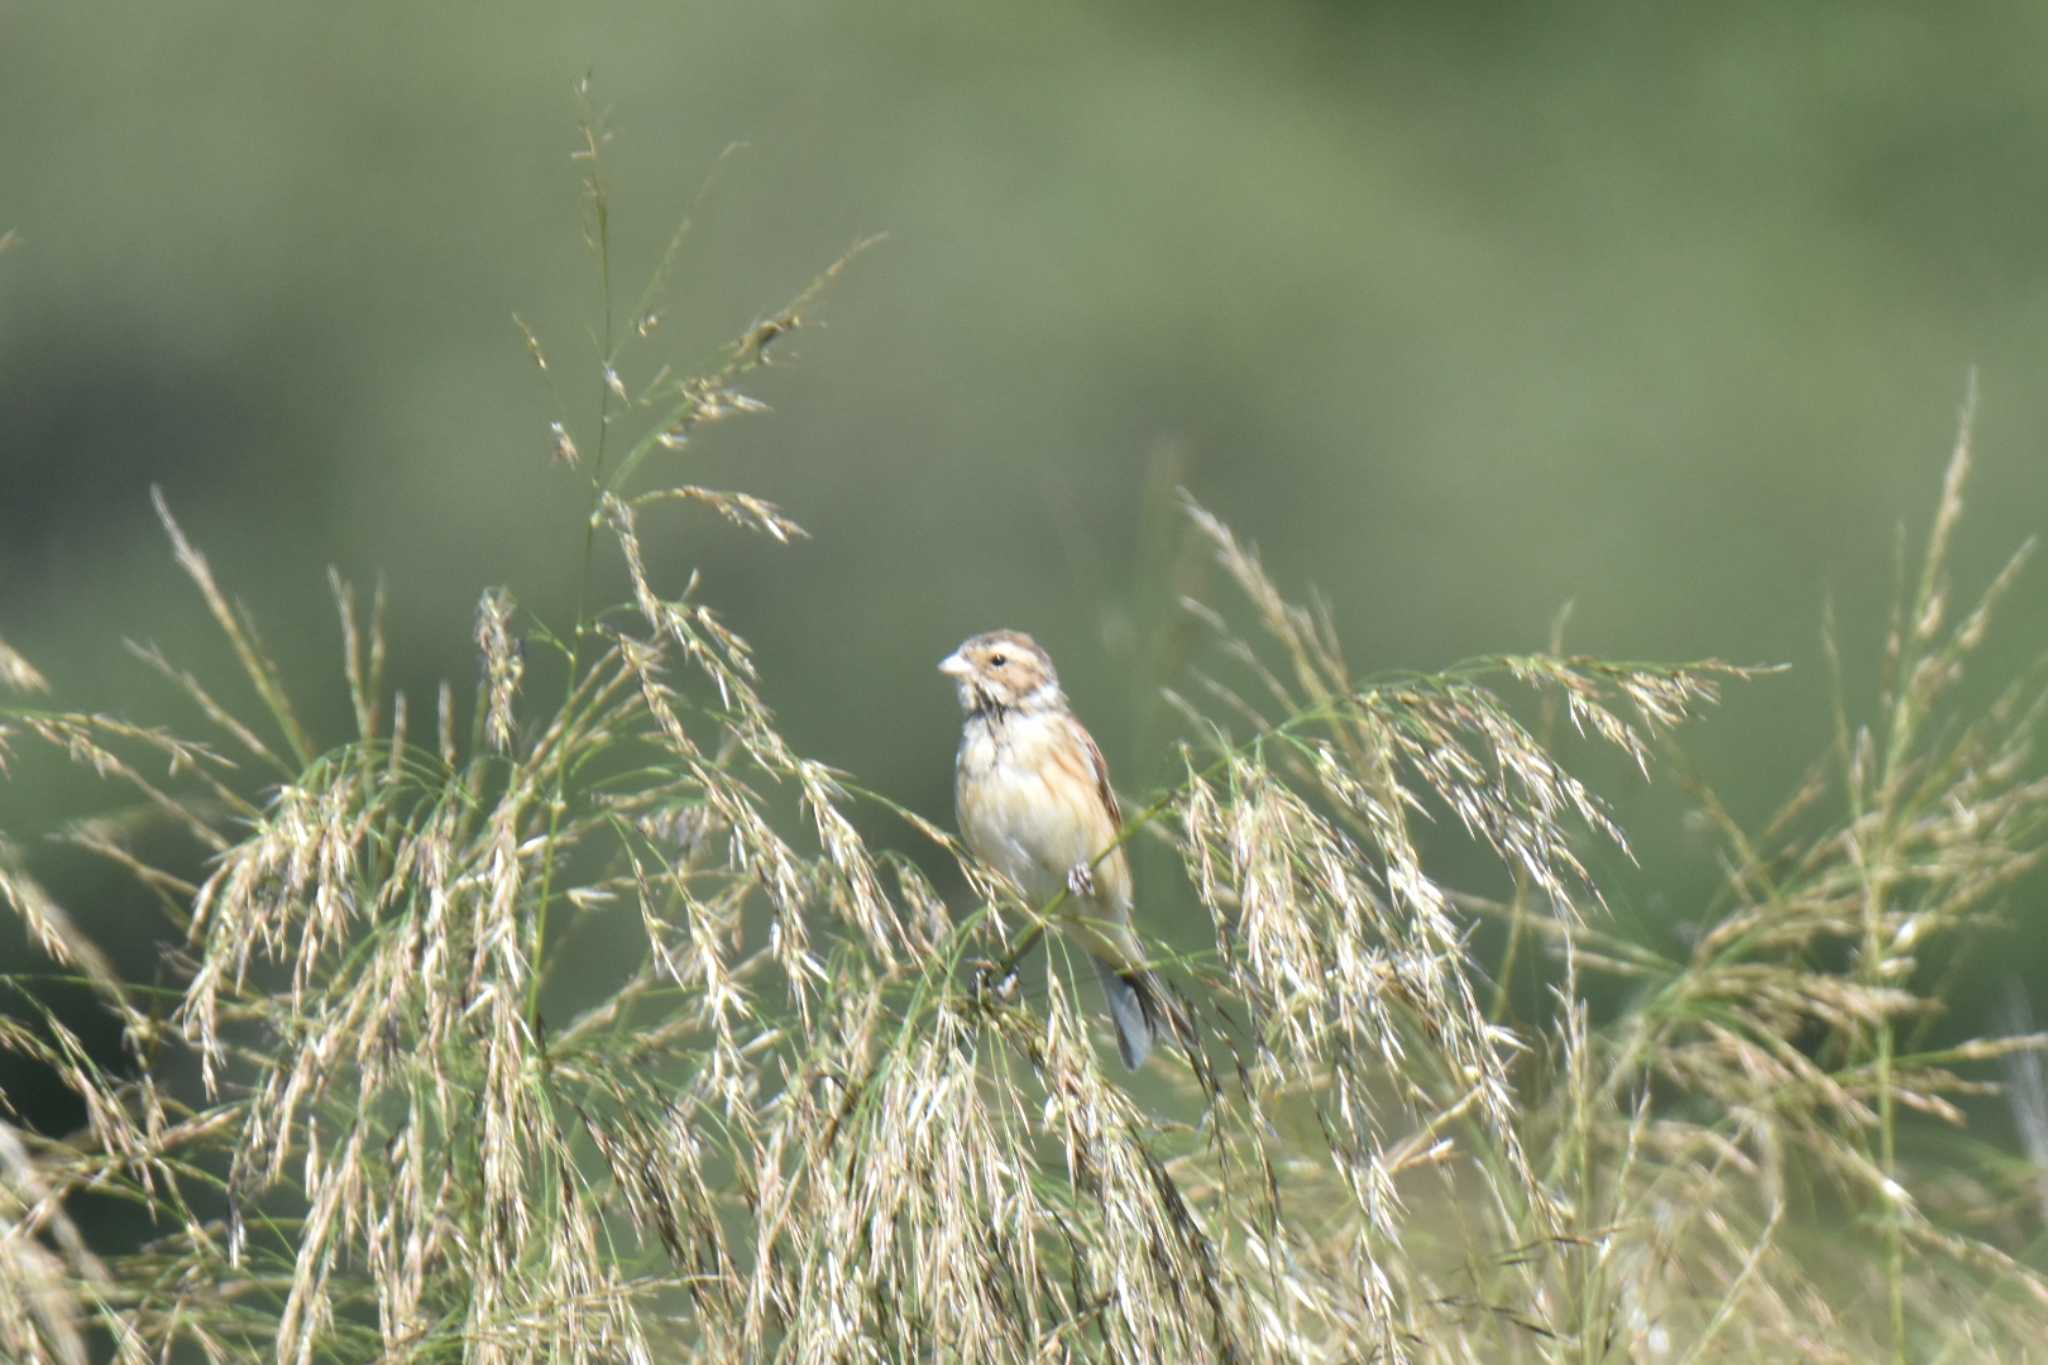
x,y
1034,801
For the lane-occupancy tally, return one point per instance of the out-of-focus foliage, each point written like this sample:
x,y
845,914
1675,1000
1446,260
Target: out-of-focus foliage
x,y
1461,312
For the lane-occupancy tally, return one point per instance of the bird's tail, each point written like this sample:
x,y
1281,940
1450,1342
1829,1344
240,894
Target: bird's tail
x,y
1137,1008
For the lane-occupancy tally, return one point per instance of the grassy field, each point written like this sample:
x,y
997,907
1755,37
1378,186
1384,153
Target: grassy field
x,y
795,1104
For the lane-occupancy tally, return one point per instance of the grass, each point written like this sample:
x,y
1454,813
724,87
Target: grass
x,y
810,1122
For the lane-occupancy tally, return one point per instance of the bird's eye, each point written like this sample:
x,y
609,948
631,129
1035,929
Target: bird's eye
x,y
997,660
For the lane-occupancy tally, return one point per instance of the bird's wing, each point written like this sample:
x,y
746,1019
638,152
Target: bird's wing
x,y
1102,787
1109,920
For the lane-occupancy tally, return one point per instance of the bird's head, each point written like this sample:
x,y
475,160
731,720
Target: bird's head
x,y
1004,670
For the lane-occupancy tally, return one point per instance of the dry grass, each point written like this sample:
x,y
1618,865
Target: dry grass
x,y
812,1123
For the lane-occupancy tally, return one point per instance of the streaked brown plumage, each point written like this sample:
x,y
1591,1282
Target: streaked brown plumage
x,y
1035,802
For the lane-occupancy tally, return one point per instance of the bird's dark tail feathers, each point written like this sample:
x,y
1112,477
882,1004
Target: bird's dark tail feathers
x,y
1137,1006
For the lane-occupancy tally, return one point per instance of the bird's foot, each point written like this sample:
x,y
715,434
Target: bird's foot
x,y
989,986
1081,880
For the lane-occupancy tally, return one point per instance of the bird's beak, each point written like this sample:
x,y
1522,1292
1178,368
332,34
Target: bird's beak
x,y
953,666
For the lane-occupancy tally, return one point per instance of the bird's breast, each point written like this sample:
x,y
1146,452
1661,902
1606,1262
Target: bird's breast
x,y
1021,810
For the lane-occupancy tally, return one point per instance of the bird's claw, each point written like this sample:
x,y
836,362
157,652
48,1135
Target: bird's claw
x,y
1081,880
987,985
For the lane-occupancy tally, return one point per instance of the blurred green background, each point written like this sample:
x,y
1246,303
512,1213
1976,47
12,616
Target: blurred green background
x,y
1460,312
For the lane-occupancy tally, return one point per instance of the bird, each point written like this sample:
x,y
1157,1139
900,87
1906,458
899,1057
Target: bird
x,y
1034,801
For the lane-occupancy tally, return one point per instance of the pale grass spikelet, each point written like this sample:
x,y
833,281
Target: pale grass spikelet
x,y
53,930
504,665
44,1289
96,742
215,712
741,509
18,673
260,669
562,446
532,340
